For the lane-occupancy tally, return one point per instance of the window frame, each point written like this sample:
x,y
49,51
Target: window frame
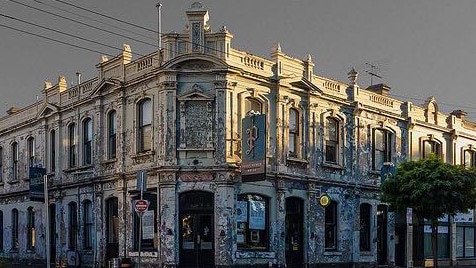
x,y
144,126
1,232
30,229
31,151
294,133
88,225
87,141
146,244
72,225
15,232
472,159
72,155
14,151
436,148
52,150
243,228
332,143
111,134
386,152
1,164
330,226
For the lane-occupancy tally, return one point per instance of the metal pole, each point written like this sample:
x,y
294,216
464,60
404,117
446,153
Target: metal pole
x,y
140,215
159,24
47,218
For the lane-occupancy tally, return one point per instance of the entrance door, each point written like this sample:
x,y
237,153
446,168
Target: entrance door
x,y
196,230
52,226
382,234
112,228
294,232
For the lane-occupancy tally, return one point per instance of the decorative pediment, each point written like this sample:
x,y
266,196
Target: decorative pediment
x,y
105,83
195,93
47,109
306,84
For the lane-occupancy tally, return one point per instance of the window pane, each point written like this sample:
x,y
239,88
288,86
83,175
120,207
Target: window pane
x,y
252,105
252,227
145,113
460,241
331,226
331,152
469,242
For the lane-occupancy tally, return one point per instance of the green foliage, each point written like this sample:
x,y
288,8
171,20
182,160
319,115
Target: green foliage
x,y
431,187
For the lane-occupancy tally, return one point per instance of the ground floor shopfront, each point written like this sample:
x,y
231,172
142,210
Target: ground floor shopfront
x,y
206,219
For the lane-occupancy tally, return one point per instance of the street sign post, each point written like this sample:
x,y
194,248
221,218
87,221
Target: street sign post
x,y
140,206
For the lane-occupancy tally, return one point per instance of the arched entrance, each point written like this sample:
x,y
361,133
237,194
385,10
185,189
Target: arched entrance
x,y
294,232
196,226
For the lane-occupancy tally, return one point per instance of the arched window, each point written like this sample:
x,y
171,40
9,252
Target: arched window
x,y
52,151
30,232
330,239
431,146
72,145
88,225
111,134
14,161
253,222
72,225
331,140
252,104
293,132
469,158
365,220
14,241
144,126
381,148
87,141
31,151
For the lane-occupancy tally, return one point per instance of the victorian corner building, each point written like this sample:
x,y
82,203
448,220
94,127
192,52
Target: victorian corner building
x,y
245,161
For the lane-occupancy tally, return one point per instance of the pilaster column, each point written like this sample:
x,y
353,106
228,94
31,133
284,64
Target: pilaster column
x,y
226,220
168,254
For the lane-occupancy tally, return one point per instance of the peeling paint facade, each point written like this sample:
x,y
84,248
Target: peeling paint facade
x,y
177,115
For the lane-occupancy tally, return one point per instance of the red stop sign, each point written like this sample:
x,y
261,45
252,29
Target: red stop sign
x,y
141,205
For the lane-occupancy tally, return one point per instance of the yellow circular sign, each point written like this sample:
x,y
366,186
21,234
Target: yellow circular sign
x,y
324,200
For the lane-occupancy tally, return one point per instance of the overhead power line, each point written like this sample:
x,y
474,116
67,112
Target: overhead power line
x,y
55,40
82,23
95,20
60,32
106,16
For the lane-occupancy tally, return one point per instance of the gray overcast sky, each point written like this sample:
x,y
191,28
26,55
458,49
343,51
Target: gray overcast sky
x,y
422,47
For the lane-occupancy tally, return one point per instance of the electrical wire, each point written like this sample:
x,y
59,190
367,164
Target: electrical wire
x,y
106,16
95,20
60,32
55,40
82,23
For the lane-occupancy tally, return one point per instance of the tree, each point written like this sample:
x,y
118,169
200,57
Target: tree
x,y
432,189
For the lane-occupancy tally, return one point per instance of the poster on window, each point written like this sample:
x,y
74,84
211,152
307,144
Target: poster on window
x,y
464,217
241,211
257,215
148,225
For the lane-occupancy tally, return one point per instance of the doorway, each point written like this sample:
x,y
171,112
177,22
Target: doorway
x,y
196,226
112,228
52,226
294,232
382,216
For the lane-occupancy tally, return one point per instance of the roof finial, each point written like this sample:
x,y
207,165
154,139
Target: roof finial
x,y
352,75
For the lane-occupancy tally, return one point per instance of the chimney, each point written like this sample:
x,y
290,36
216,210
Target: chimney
x,y
381,89
459,113
13,110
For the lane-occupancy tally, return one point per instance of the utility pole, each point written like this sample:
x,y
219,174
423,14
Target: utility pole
x,y
47,225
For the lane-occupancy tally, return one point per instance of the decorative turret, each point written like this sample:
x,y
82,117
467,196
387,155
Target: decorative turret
x,y
198,24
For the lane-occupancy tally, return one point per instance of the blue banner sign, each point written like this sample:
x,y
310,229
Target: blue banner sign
x,y
253,148
37,184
